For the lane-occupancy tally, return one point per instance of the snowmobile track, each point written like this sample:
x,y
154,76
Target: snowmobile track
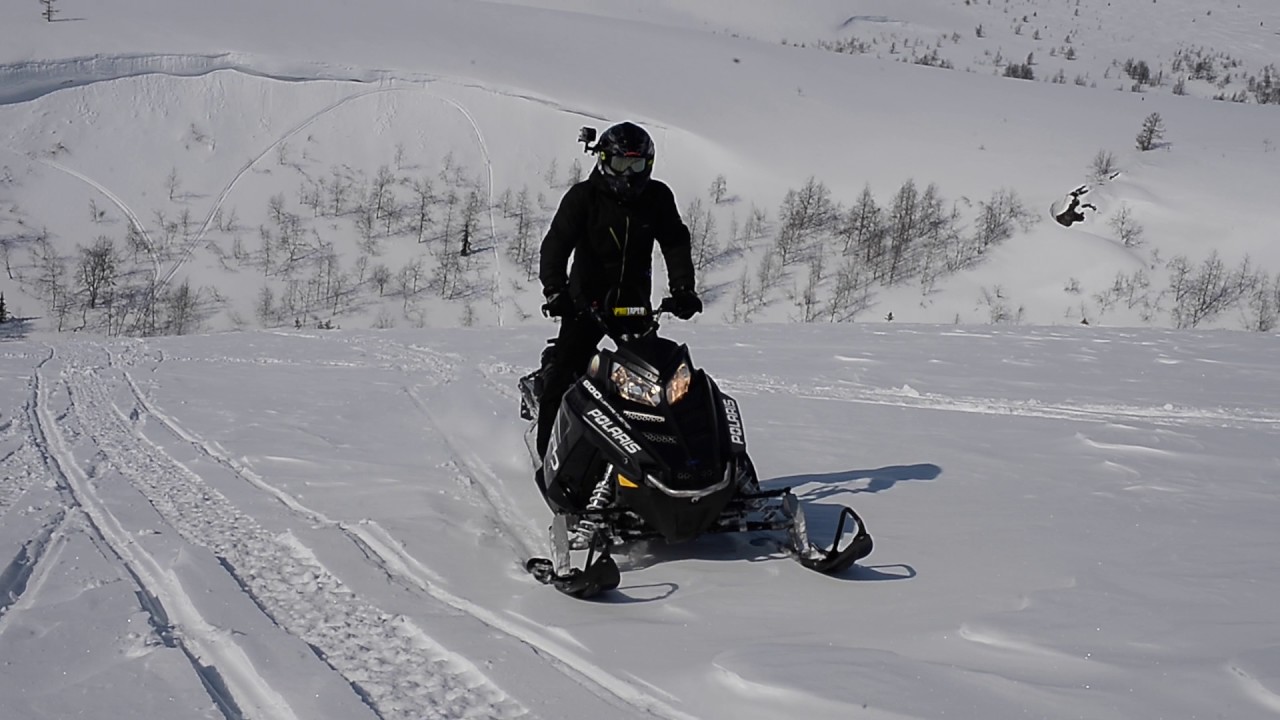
x,y
391,556
389,662
156,587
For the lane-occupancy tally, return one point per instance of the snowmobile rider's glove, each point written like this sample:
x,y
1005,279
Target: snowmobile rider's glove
x,y
559,303
684,303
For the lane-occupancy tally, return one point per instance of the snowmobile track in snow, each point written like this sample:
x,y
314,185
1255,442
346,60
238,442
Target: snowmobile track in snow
x,y
381,547
155,586
389,662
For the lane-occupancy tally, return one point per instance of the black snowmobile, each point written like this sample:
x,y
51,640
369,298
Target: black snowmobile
x,y
646,446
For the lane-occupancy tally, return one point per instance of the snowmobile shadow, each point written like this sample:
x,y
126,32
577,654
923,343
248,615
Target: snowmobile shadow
x,y
836,483
875,573
636,594
726,547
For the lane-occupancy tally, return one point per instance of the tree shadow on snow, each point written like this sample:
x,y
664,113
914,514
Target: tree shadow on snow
x,y
15,328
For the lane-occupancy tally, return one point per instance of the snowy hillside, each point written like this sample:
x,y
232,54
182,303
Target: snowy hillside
x,y
290,523
171,167
331,525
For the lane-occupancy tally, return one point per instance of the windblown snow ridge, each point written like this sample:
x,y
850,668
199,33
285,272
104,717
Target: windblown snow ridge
x,y
25,81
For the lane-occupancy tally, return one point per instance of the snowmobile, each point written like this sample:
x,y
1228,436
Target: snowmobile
x,y
646,446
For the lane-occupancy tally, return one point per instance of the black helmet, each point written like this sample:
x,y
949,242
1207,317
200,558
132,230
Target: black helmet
x,y
625,159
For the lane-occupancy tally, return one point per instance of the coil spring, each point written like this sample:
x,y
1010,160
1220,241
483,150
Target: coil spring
x,y
599,500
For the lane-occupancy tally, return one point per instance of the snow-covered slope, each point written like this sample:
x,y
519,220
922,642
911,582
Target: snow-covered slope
x,y
324,525
181,116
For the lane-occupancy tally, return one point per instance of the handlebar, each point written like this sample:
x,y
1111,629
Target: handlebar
x,y
606,315
638,310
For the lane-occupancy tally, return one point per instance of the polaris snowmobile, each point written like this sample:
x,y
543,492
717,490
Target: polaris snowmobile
x,y
646,446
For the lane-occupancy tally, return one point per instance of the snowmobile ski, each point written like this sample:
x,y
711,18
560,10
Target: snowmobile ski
x,y
598,574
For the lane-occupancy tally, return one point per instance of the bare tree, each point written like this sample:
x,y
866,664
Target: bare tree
x,y
754,228
380,276
172,183
1126,228
51,277
997,219
521,250
98,270
702,234
6,254
1203,294
719,188
1103,166
903,227
470,221
805,215
423,199
380,192
50,11
807,298
862,227
409,280
180,305
852,292
339,188
1263,307
1152,132
265,308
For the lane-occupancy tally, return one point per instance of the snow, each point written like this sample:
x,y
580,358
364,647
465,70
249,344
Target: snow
x,y
106,107
1070,522
275,523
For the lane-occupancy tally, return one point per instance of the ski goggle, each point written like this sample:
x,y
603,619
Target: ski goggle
x,y
624,164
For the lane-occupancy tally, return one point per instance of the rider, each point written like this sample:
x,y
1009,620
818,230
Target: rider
x,y
608,223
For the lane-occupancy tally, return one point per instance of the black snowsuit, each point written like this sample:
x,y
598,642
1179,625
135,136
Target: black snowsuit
x,y
611,241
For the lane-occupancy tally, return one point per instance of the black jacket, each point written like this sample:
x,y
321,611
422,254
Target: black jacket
x,y
612,243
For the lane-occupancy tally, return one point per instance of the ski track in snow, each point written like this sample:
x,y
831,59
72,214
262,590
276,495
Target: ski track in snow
x,y
121,205
31,80
393,558
910,398
391,663
203,230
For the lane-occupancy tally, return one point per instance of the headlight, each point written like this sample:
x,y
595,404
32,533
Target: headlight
x,y
635,388
678,385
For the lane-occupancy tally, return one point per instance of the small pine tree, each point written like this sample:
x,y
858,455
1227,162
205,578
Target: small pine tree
x,y
1151,133
4,311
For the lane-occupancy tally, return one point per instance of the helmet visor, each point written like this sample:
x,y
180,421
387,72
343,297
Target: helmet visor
x,y
624,164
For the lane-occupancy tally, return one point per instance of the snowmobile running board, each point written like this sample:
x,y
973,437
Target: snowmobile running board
x,y
600,572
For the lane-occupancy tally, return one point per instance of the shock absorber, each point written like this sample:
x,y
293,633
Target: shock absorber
x,y
601,496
